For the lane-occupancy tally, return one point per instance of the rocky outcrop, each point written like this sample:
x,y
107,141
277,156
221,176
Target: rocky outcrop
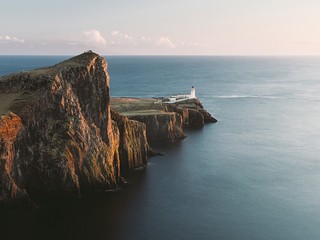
x,y
10,127
165,121
161,126
195,118
66,143
134,148
194,115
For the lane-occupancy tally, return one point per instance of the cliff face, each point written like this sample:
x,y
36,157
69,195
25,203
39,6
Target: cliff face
x,y
194,115
134,148
162,127
10,127
165,122
65,142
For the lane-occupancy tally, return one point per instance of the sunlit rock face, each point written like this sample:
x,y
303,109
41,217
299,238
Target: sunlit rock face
x,y
65,142
10,128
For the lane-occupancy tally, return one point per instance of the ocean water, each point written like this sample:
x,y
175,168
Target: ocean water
x,y
253,175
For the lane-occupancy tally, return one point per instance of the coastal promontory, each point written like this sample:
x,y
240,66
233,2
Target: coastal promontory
x,y
61,134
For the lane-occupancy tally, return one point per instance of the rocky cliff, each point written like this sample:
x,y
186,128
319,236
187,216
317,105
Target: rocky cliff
x,y
10,127
56,132
165,122
59,137
161,126
134,148
194,115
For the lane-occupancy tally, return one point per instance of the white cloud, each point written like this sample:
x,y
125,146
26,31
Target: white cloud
x,y
120,38
121,35
165,41
95,37
10,39
115,33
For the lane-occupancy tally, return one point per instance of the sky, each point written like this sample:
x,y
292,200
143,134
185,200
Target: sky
x,y
160,27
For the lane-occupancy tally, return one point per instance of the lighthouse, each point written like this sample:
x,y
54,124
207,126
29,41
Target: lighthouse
x,y
193,92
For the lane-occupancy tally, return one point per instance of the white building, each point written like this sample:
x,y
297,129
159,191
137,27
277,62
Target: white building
x,y
178,98
193,92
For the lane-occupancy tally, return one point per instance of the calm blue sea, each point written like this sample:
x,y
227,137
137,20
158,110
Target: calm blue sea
x,y
253,175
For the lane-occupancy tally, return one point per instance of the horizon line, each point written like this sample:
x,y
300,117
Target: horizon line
x,y
171,55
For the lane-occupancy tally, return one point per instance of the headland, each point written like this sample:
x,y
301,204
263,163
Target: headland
x,y
61,133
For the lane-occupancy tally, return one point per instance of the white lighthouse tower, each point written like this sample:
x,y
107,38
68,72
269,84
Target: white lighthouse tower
x,y
193,92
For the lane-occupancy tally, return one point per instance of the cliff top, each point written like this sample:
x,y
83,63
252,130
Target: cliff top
x,y
20,89
148,106
82,60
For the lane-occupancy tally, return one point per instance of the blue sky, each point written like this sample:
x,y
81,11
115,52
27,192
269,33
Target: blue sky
x,y
169,27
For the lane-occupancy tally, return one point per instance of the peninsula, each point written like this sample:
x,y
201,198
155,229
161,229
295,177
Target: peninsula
x,y
61,134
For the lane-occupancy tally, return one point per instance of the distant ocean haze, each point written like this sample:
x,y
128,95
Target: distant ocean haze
x,y
253,175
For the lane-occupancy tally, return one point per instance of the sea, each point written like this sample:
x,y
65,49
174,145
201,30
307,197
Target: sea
x,y
253,175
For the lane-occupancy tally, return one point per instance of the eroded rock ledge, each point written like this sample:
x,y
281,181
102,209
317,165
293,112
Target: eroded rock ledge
x,y
58,136
164,122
